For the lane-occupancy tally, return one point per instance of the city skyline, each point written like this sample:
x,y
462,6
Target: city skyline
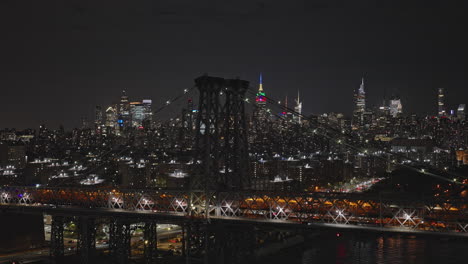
x,y
76,55
376,105
237,132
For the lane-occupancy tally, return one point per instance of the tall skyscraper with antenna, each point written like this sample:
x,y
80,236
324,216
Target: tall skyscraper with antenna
x,y
260,113
260,99
441,103
359,106
124,111
260,121
298,109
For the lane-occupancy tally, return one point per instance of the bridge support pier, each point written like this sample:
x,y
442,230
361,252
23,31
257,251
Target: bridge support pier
x,y
119,241
86,246
150,242
56,239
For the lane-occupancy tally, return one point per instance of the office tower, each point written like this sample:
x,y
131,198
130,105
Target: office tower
x,y
147,113
124,111
12,153
260,111
260,99
396,108
98,119
461,114
441,102
384,109
136,114
359,106
298,109
111,117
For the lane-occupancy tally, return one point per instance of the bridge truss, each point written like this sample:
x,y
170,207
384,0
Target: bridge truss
x,y
358,210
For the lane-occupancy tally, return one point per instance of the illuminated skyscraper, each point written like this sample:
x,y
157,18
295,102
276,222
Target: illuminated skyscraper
x,y
396,108
137,114
147,112
260,100
298,109
141,114
441,102
359,106
98,120
124,110
260,111
260,116
111,117
461,115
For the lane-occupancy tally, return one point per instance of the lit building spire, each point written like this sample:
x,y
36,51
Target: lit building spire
x,y
359,106
260,86
260,99
361,88
260,114
298,109
441,103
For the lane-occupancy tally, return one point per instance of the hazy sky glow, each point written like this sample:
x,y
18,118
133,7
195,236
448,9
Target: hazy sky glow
x,y
61,58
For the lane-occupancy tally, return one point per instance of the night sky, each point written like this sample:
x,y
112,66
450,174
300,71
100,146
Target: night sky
x,y
58,59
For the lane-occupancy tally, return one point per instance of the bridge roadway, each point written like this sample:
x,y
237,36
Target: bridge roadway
x,y
337,210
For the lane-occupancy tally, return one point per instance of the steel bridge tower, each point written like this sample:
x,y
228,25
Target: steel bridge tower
x,y
221,146
235,148
207,145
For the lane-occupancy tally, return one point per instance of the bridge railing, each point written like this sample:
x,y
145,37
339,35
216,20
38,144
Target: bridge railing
x,y
166,201
353,209
413,213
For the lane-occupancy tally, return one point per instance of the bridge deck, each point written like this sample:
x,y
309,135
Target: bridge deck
x,y
325,209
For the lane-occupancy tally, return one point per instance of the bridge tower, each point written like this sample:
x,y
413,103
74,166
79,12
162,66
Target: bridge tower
x,y
221,145
221,157
207,144
235,147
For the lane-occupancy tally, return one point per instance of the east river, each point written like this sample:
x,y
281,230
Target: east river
x,y
341,247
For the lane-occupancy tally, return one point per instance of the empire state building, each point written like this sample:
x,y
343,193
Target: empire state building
x,y
260,114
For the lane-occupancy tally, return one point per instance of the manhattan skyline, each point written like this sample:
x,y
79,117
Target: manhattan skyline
x,y
59,61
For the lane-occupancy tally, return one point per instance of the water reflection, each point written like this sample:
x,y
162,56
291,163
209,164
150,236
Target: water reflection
x,y
374,248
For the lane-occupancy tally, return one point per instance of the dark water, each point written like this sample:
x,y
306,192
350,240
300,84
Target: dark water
x,y
373,248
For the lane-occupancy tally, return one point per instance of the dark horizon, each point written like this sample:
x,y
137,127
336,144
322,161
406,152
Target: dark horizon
x,y
59,60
